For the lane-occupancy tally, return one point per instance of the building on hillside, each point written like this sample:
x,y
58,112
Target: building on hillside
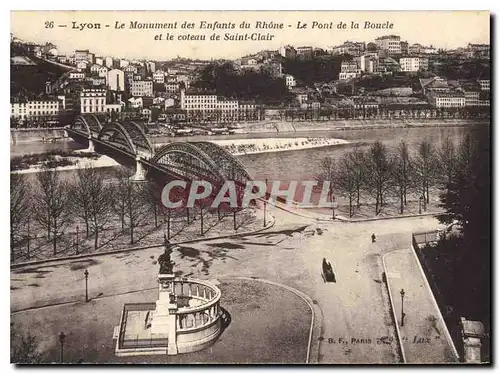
x,y
141,88
172,87
305,52
84,55
405,49
35,110
150,67
485,84
207,107
116,80
82,65
108,62
76,75
123,63
290,81
368,62
414,64
288,52
434,84
350,48
446,99
389,43
349,70
471,98
159,76
93,100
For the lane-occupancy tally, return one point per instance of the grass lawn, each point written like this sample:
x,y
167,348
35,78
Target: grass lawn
x,y
268,325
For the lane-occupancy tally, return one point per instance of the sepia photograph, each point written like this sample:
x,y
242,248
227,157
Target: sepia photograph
x,y
250,187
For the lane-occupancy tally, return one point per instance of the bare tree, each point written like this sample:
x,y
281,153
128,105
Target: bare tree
x,y
151,194
52,205
401,173
447,159
379,174
327,174
120,186
358,164
135,209
346,179
100,202
426,168
80,191
19,209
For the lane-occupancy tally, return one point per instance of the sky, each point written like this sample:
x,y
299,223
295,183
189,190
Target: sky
x,y
442,29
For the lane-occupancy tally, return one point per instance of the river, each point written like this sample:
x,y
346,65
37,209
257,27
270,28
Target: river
x,y
293,165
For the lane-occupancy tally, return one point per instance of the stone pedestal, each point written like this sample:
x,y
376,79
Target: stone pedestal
x,y
140,173
165,315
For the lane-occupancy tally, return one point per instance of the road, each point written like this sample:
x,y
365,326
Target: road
x,y
355,308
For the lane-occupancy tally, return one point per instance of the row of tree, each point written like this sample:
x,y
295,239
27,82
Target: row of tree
x,y
384,174
55,204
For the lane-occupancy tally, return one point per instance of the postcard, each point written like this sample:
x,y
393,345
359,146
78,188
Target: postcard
x,y
250,187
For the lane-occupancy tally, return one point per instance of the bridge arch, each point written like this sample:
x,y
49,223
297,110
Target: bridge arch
x,y
87,123
117,135
138,136
201,160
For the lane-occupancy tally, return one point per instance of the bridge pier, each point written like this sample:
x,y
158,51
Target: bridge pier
x,y
140,172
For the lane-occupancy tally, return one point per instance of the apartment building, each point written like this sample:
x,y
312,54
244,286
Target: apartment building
x,y
413,64
159,76
209,107
290,81
389,43
141,88
447,99
35,109
116,80
93,100
349,70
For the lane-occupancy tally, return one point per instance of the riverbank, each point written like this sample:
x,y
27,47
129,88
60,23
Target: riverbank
x,y
279,126
239,147
76,162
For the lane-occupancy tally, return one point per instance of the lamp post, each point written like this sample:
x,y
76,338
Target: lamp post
x,y
402,292
77,239
86,273
61,340
265,204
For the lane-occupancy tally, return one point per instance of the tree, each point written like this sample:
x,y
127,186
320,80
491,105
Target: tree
x,y
426,168
80,191
401,173
467,202
151,195
379,174
346,178
358,163
51,203
100,202
327,174
119,202
19,208
447,160
135,209
24,349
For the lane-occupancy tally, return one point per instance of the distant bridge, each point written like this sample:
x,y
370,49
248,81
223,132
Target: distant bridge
x,y
127,143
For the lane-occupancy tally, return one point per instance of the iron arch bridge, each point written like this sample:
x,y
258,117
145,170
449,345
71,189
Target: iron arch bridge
x,y
201,161
126,136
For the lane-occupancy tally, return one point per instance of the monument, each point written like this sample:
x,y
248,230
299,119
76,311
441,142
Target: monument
x,y
186,317
163,318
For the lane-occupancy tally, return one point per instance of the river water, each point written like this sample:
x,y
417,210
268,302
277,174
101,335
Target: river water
x,y
293,165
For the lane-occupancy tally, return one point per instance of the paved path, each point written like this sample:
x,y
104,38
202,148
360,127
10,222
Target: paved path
x,y
423,333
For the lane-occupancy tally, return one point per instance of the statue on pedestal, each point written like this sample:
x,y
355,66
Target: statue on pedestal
x,y
166,264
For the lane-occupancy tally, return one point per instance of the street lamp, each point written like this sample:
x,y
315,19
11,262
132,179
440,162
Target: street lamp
x,y
77,228
265,204
61,340
86,272
402,292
